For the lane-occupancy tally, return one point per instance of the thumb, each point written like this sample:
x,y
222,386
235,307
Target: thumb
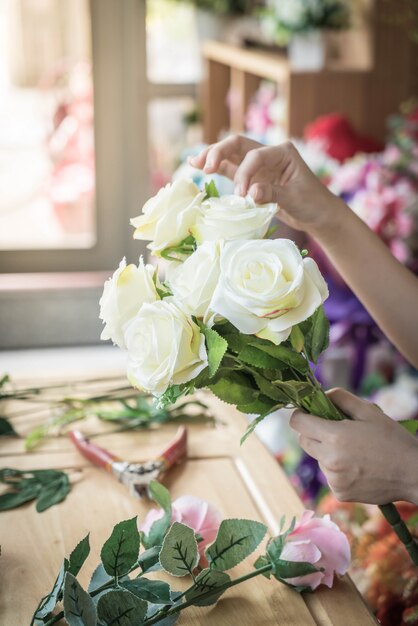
x,y
351,405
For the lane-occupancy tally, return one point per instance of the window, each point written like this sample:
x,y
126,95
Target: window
x,y
138,97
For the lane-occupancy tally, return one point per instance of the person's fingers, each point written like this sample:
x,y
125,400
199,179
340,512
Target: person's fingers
x,y
314,427
263,193
227,168
199,160
354,407
313,447
274,158
227,149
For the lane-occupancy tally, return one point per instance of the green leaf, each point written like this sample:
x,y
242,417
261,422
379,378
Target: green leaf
x,y
179,554
269,389
216,347
13,499
120,552
79,555
261,406
295,390
155,591
121,608
297,339
161,496
211,190
206,585
50,486
53,493
236,539
149,561
317,338
262,561
47,604
284,354
234,389
292,569
99,578
410,425
6,429
253,355
251,428
79,608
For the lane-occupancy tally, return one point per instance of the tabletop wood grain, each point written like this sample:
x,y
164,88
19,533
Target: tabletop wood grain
x,y
242,482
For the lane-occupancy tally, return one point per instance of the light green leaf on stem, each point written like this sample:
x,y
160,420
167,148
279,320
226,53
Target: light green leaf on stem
x,y
216,348
155,591
120,551
79,608
79,555
161,496
236,539
207,581
122,608
179,554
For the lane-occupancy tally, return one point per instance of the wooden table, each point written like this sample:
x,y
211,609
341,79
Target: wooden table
x,y
241,481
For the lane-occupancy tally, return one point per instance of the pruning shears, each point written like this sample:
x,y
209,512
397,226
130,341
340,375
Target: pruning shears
x,y
136,476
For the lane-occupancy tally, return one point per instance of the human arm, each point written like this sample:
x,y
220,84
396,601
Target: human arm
x,y
278,174
369,458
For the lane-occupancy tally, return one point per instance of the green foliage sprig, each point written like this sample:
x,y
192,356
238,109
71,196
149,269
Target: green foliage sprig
x,y
120,592
47,487
124,407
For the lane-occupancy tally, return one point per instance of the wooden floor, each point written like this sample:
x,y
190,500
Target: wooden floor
x,y
241,481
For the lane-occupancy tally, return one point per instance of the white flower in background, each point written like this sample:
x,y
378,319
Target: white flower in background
x,y
193,282
266,287
123,295
232,217
164,346
167,217
292,13
400,400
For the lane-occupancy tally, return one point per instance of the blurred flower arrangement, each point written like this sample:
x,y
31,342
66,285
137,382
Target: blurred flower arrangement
x,y
379,567
266,113
71,146
284,18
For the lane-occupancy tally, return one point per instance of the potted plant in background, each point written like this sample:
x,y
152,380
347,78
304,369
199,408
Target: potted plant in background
x,y
304,26
224,20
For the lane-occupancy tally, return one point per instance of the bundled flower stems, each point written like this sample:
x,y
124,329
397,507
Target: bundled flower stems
x,y
237,313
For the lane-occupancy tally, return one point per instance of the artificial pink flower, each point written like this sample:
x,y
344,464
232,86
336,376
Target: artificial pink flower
x,y
198,514
319,541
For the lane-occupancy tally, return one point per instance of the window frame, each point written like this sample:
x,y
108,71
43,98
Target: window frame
x,y
120,83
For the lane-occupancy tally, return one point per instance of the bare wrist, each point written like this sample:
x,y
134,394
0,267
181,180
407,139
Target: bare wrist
x,y
333,217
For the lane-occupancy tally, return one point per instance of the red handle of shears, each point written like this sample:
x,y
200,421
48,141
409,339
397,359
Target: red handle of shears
x,y
175,451
94,453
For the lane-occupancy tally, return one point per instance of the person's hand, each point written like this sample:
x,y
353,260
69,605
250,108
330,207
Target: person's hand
x,y
369,459
273,174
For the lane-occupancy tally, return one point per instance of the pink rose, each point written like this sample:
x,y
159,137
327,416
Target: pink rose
x,y
198,514
319,541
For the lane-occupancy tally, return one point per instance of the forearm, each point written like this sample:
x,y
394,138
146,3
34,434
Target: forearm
x,y
387,289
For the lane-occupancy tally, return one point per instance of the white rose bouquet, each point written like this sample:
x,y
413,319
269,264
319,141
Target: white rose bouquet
x,y
238,313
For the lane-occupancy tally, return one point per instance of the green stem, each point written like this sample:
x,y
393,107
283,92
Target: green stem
x,y
392,516
176,609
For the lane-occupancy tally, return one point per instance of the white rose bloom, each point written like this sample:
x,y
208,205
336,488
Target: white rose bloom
x,y
165,347
123,295
292,13
232,217
193,282
266,287
167,217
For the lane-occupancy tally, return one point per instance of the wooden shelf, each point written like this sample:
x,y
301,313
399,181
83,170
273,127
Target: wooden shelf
x,y
366,95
